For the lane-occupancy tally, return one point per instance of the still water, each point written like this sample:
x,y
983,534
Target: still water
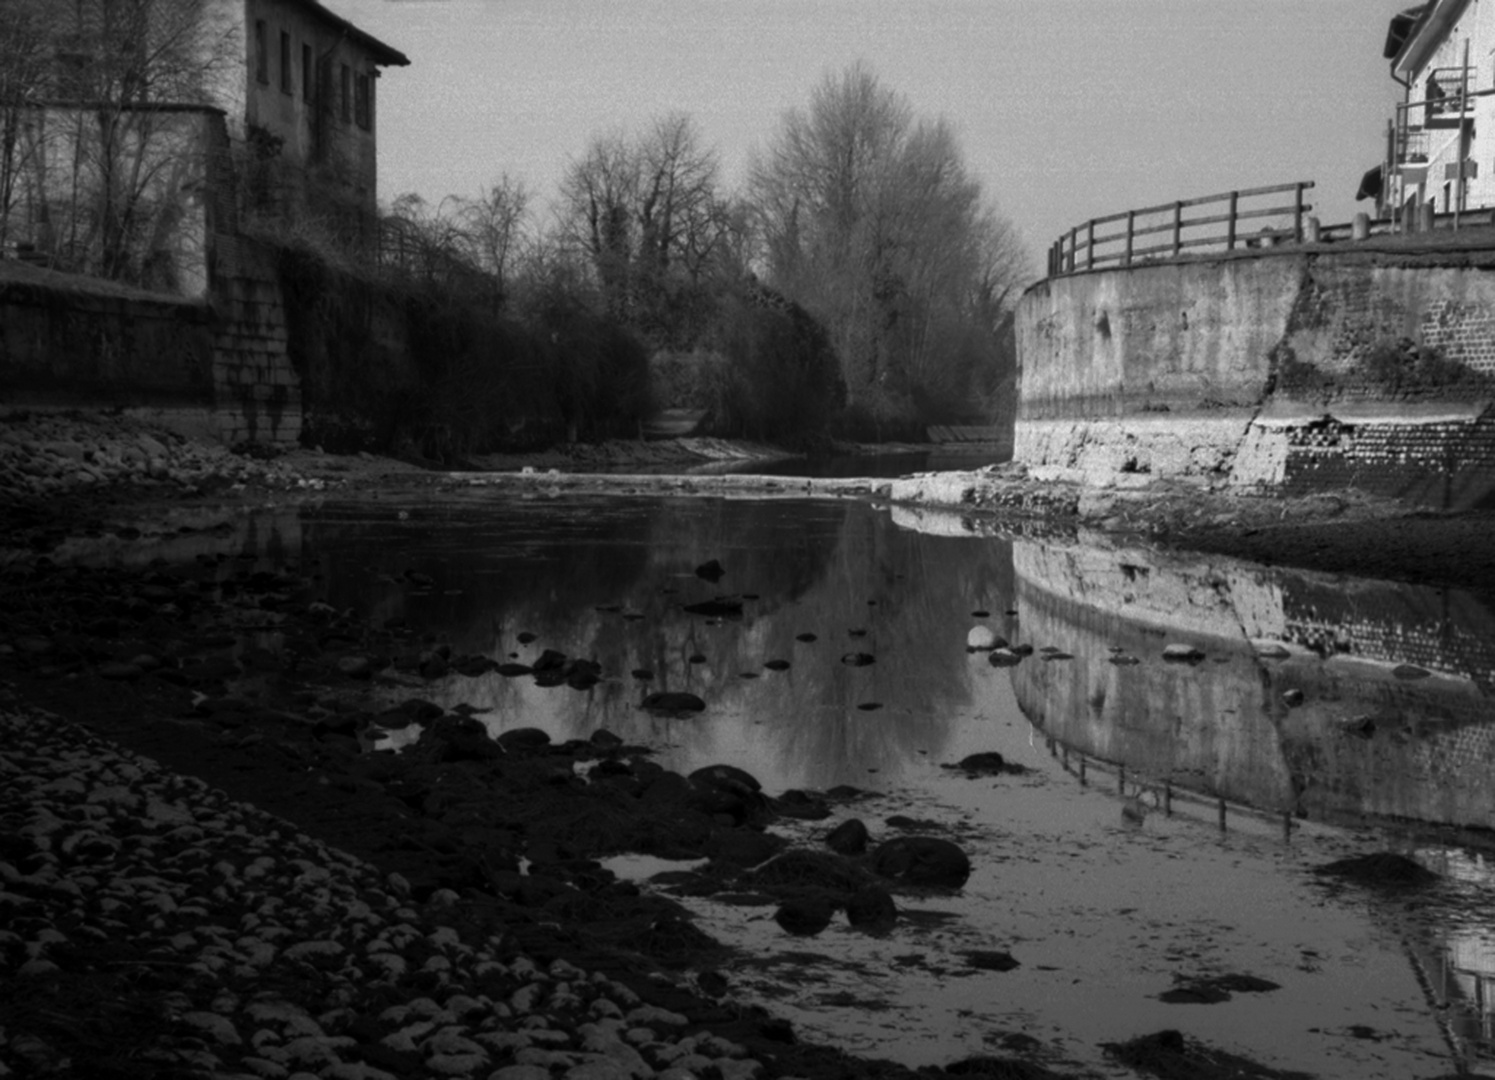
x,y
1172,815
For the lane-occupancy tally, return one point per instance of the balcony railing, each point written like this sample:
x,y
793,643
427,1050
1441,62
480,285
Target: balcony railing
x,y
1448,97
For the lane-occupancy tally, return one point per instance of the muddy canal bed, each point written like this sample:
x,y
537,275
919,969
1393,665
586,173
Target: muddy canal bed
x,y
1185,747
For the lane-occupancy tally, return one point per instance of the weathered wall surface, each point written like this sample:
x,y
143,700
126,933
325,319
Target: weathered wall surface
x,y
217,368
1296,369
61,343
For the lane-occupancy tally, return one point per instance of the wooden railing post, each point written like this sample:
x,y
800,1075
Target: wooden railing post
x,y
1235,198
1090,245
1131,218
1073,236
1298,212
1178,228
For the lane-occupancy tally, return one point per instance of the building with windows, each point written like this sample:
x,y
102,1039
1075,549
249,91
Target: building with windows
x,y
135,132
306,100
1443,55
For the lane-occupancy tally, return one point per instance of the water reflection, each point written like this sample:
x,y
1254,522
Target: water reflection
x,y
1324,697
610,581
1298,706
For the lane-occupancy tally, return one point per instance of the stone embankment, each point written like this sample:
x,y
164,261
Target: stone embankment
x,y
43,455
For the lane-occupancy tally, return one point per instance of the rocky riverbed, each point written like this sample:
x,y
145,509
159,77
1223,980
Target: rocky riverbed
x,y
205,871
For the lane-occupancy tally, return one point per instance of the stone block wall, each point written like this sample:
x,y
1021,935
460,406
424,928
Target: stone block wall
x,y
256,390
1289,369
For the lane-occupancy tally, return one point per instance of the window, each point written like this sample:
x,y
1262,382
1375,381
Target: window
x,y
308,73
344,76
286,75
363,88
261,52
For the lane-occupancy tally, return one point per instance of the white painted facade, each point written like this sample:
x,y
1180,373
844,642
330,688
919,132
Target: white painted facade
x,y
1432,134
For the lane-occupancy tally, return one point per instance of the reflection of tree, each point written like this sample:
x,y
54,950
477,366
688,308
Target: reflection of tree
x,y
811,566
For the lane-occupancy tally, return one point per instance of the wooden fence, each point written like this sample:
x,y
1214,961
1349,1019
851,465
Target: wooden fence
x,y
1168,230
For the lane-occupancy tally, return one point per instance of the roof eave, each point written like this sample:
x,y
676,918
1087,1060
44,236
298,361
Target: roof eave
x,y
1434,25
383,54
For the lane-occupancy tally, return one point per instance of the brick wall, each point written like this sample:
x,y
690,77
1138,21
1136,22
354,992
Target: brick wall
x,y
1445,463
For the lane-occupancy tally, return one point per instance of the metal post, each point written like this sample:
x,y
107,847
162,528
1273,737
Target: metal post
x,y
1235,198
1298,213
1131,217
1090,244
1222,815
1178,228
1070,264
1458,202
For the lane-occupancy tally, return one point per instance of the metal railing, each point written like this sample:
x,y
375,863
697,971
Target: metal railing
x,y
1169,230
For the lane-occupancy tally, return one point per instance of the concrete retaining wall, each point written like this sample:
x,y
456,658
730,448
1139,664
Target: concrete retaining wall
x,y
1300,369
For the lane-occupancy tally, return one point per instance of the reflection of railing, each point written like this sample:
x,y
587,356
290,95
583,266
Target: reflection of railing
x,y
1169,230
1171,796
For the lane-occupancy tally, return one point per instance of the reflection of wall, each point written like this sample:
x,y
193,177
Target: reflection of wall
x,y
1204,726
1363,741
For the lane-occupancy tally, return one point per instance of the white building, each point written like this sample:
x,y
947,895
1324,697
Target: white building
x,y
1443,55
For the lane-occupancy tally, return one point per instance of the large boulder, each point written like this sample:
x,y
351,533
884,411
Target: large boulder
x,y
922,860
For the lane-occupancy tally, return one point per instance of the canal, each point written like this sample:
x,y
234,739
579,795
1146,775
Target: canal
x,y
1155,861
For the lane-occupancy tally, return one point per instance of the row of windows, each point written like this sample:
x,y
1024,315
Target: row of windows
x,y
355,93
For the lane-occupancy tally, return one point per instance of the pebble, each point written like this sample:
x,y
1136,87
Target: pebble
x,y
249,905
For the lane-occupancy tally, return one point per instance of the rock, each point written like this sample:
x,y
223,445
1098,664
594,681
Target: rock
x,y
721,607
1292,698
356,667
805,916
743,847
857,659
988,763
522,739
990,960
802,869
777,665
872,908
980,639
1004,658
1182,654
923,861
457,738
672,701
848,838
711,571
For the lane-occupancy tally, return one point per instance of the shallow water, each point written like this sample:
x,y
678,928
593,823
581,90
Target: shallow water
x,y
1328,717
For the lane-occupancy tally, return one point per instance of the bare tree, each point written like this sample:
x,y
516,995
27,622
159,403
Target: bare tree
x,y
870,218
597,201
123,143
497,227
26,60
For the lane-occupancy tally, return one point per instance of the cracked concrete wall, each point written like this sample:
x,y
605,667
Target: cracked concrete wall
x,y
1169,371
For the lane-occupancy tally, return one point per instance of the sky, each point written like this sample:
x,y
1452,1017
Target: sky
x,y
1066,109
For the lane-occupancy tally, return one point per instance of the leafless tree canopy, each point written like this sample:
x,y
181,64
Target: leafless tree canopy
x,y
95,153
870,218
